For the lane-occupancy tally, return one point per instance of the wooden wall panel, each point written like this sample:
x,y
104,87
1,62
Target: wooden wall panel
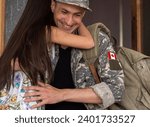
x,y
2,24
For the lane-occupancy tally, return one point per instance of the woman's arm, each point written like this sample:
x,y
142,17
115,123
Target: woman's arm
x,y
83,40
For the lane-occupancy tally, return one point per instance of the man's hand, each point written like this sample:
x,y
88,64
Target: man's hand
x,y
47,94
44,93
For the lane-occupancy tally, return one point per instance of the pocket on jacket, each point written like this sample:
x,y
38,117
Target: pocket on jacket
x,y
143,71
144,99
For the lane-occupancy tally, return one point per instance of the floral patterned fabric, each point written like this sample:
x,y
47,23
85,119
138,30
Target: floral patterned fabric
x,y
14,98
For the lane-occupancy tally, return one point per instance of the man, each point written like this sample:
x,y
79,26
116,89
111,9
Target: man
x,y
73,86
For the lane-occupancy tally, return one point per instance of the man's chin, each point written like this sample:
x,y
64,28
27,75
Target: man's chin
x,y
68,31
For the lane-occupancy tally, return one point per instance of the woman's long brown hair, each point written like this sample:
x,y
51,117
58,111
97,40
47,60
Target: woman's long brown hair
x,y
28,44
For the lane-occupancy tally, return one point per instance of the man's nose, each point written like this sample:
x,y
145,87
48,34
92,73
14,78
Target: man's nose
x,y
69,20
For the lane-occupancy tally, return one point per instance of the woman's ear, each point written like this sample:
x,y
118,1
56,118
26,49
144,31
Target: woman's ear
x,y
53,5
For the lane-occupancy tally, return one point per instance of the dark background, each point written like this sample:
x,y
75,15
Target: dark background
x,y
107,12
146,27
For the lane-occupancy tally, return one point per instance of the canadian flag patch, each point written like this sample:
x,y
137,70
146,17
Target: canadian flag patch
x,y
111,56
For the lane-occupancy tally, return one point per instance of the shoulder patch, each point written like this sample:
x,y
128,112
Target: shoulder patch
x,y
112,56
113,62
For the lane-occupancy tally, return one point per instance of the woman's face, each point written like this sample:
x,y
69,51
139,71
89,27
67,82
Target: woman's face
x,y
67,17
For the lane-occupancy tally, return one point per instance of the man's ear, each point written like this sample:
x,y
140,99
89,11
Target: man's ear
x,y
53,3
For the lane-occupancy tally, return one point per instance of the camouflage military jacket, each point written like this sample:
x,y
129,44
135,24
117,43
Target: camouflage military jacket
x,y
111,88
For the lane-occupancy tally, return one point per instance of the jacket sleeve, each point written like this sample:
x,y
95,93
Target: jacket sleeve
x,y
111,88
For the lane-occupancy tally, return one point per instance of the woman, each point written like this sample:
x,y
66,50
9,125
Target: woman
x,y
27,50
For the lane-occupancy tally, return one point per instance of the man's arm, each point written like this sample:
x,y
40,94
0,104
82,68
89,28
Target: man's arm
x,y
84,95
111,89
48,94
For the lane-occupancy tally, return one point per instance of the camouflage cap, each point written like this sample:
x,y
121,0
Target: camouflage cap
x,y
80,3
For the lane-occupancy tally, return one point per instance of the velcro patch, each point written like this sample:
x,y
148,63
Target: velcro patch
x,y
114,65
